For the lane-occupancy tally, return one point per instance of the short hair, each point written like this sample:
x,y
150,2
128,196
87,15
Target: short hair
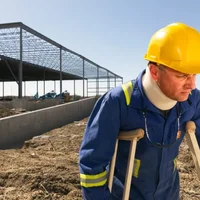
x,y
160,66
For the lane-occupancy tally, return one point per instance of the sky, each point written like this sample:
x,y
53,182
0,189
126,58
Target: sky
x,y
112,33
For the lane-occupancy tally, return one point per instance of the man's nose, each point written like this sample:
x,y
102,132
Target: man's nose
x,y
192,81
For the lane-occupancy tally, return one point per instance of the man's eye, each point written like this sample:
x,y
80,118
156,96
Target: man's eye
x,y
185,75
181,76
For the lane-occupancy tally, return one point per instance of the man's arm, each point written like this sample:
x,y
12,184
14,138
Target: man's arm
x,y
98,145
196,117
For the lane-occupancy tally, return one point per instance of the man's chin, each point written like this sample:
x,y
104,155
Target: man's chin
x,y
182,97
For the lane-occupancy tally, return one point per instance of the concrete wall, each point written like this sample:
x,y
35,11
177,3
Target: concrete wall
x,y
30,104
14,130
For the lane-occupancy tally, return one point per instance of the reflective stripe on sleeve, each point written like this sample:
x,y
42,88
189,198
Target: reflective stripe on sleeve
x,y
93,180
175,163
136,168
127,88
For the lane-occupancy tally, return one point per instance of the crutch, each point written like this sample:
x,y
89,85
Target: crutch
x,y
133,137
193,145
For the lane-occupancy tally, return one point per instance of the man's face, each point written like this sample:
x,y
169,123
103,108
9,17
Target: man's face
x,y
174,84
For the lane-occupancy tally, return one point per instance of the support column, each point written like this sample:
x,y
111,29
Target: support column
x,y
54,86
20,67
60,73
83,77
74,89
24,88
3,88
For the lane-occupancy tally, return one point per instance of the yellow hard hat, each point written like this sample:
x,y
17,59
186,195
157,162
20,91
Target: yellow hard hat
x,y
176,46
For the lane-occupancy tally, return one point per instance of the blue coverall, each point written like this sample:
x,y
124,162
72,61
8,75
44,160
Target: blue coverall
x,y
155,176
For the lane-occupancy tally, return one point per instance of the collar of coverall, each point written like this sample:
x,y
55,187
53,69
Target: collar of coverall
x,y
154,94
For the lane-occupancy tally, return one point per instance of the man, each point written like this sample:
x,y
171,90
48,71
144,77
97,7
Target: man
x,y
160,101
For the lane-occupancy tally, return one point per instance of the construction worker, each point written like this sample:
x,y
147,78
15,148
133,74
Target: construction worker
x,y
160,101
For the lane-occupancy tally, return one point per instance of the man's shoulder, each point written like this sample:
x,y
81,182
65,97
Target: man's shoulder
x,y
195,95
120,93
122,89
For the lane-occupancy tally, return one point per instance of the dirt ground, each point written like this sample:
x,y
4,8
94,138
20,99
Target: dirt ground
x,y
46,168
5,112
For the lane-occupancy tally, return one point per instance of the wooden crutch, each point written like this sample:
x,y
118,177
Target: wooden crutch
x,y
193,145
132,136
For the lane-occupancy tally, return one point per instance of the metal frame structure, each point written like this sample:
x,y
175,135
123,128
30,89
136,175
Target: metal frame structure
x,y
27,55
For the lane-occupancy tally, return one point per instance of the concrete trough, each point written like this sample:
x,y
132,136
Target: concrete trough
x,y
16,129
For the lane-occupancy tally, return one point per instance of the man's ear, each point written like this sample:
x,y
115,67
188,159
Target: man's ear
x,y
154,71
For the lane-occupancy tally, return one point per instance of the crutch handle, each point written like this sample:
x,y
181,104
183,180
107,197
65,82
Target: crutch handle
x,y
190,127
130,135
193,145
